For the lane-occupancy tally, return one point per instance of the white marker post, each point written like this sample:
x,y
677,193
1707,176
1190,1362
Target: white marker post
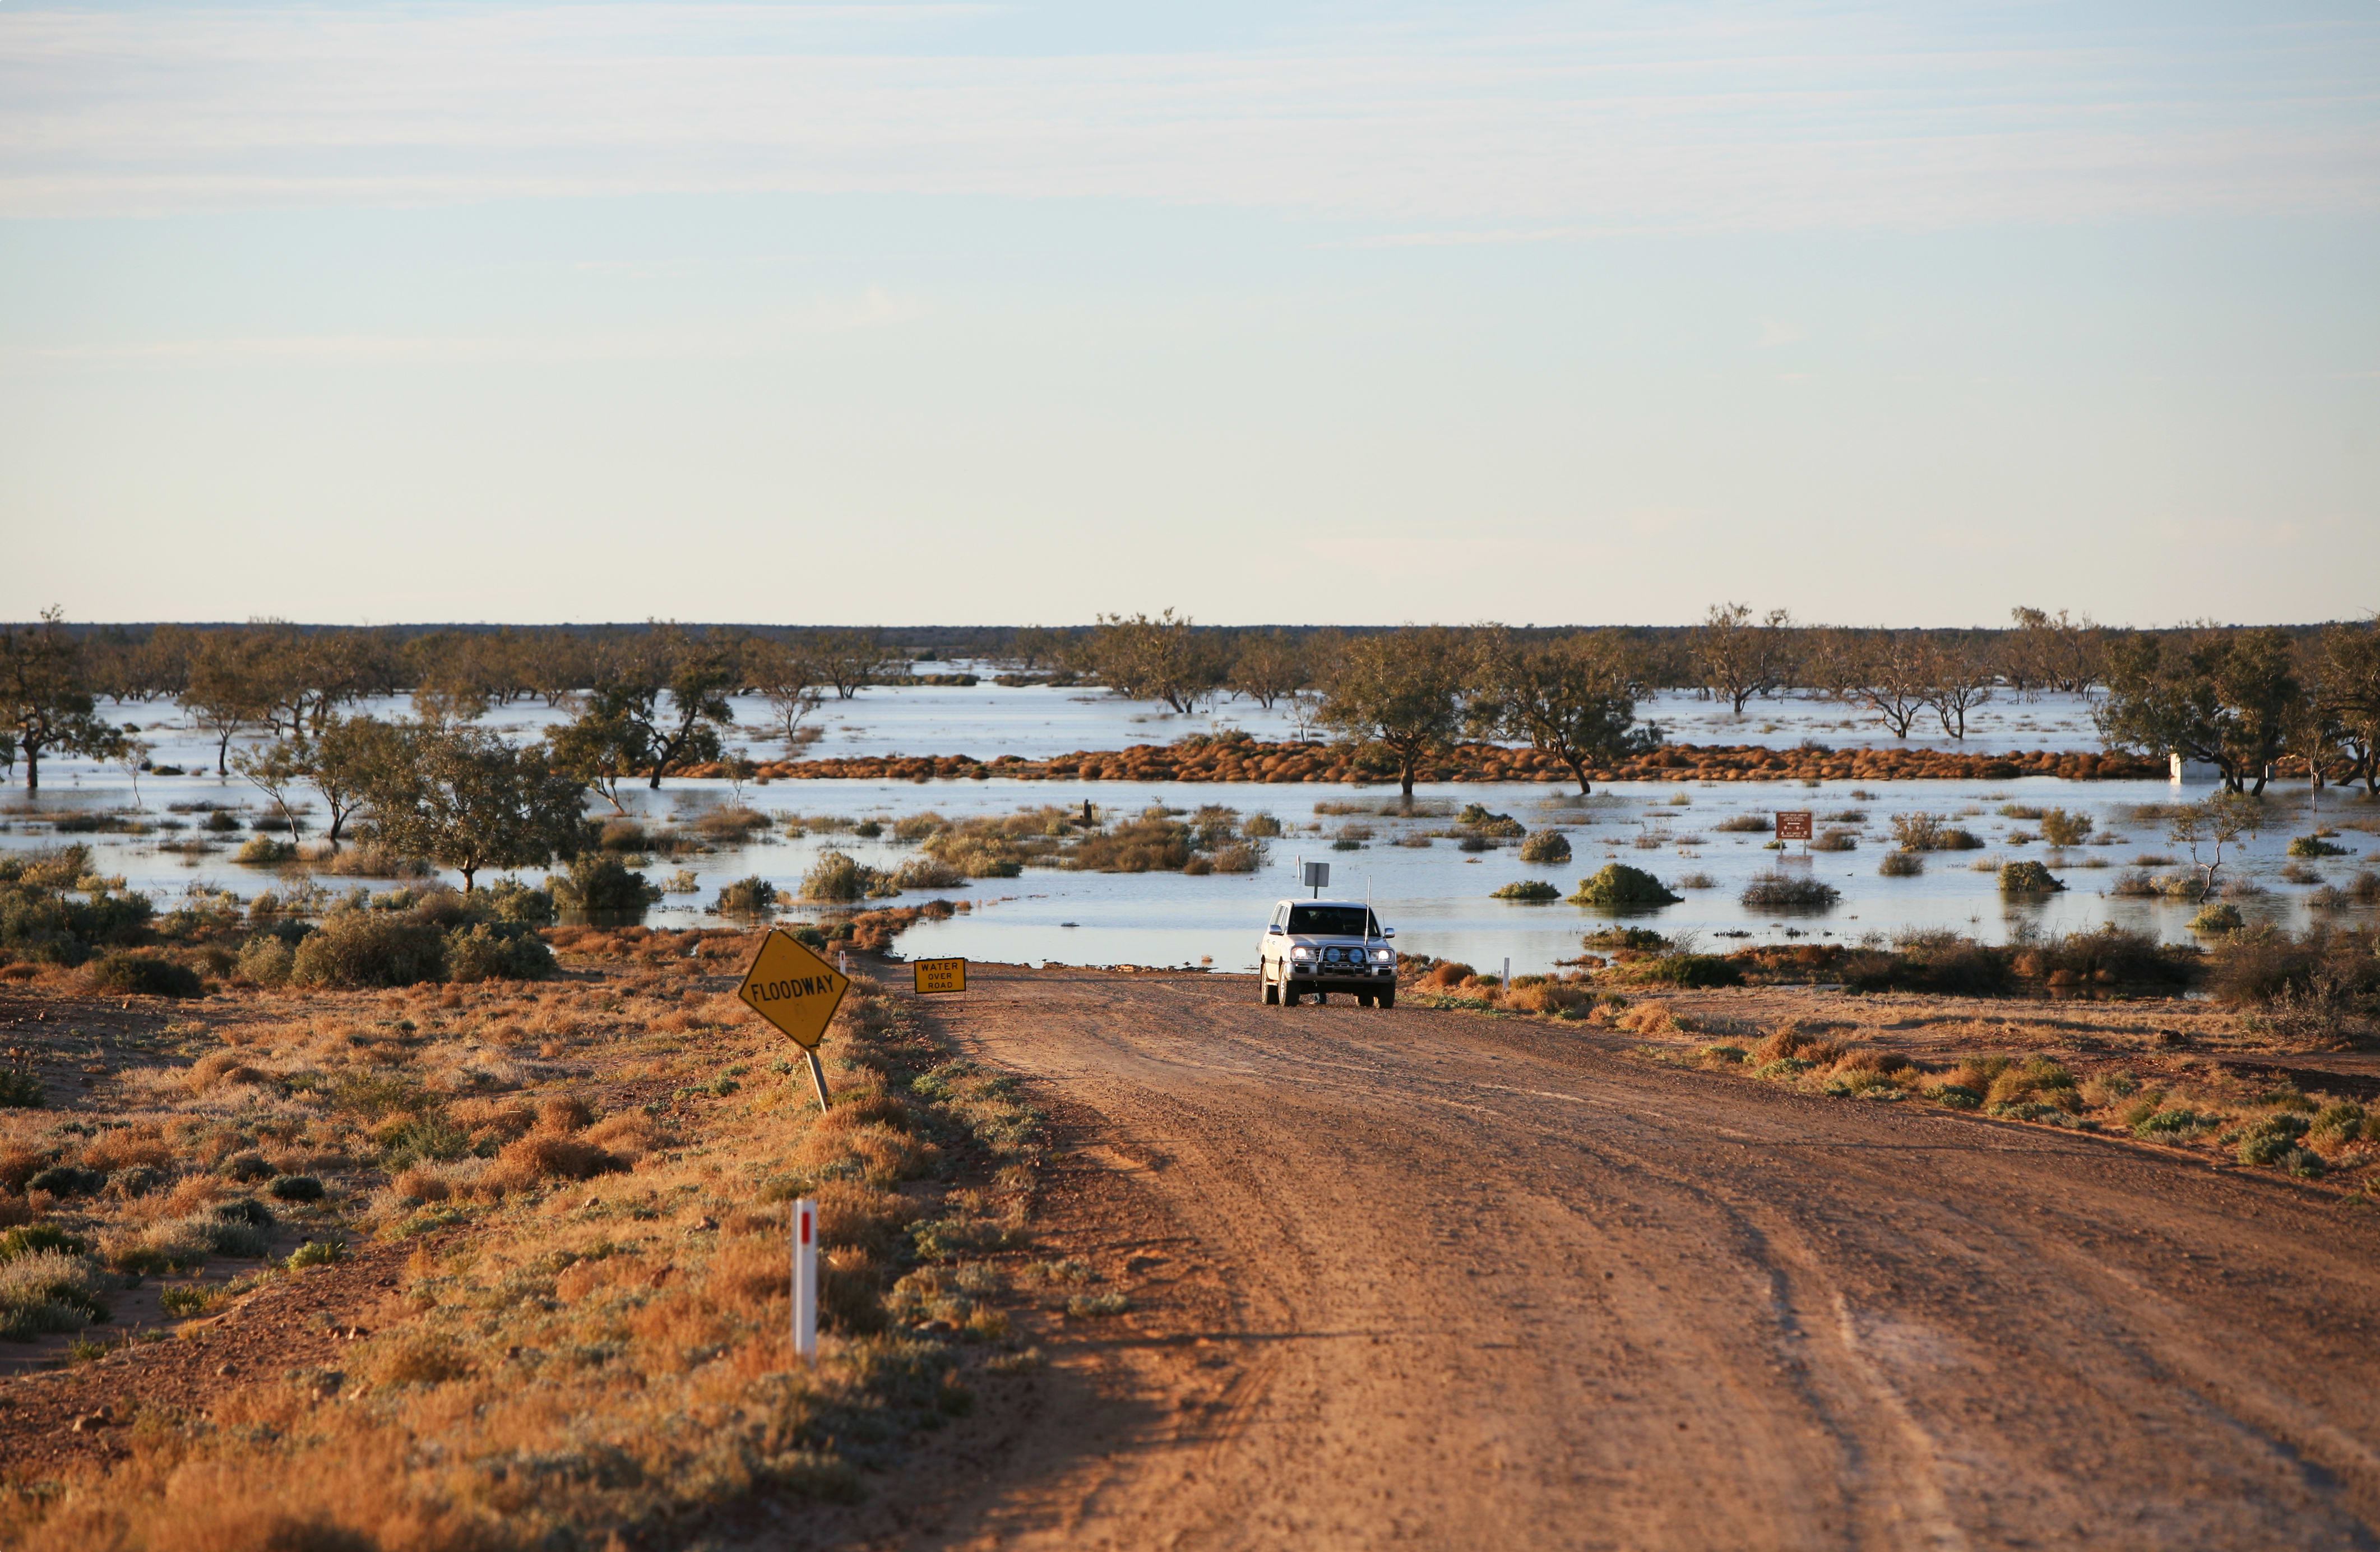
x,y
806,1280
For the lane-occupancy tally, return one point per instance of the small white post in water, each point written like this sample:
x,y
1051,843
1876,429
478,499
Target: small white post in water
x,y
806,1280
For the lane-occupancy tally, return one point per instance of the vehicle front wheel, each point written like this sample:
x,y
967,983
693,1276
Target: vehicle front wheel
x,y
1388,996
1271,992
1289,996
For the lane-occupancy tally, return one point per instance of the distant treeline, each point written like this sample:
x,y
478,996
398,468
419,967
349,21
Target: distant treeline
x,y
132,660
652,697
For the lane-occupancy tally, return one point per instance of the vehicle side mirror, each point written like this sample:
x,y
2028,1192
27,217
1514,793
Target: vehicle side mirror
x,y
1387,932
1274,928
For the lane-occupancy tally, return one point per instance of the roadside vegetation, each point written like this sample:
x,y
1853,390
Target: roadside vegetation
x,y
575,1186
2279,994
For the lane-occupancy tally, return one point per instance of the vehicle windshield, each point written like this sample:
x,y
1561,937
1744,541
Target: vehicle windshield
x,y
1334,921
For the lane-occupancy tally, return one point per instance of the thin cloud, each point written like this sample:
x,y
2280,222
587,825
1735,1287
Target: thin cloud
x,y
874,308
1492,127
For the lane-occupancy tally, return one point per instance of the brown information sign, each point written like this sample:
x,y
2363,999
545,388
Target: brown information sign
x,y
1793,825
939,975
794,989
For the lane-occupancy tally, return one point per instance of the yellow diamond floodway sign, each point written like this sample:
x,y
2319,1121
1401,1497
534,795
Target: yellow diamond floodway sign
x,y
794,989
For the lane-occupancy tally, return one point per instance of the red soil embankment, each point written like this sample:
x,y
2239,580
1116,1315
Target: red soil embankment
x,y
1256,762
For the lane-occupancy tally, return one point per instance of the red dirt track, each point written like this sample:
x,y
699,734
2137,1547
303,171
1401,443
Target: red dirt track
x,y
1425,1278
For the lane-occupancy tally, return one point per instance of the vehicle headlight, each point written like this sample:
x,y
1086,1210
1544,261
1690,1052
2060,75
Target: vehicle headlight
x,y
1384,955
1301,952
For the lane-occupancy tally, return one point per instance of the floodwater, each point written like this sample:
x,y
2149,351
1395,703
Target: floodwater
x,y
1436,895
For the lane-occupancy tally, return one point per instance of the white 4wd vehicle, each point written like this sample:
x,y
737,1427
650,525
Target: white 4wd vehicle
x,y
1315,947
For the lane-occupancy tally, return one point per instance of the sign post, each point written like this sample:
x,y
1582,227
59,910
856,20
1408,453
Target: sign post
x,y
939,976
1313,875
798,992
1794,825
806,1280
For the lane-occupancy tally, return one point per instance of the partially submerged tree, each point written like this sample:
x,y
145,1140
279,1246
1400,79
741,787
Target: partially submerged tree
x,y
1960,677
787,674
2055,652
850,660
468,801
656,707
1266,667
2349,696
599,750
45,699
1739,658
276,770
1885,672
1573,697
1164,659
344,761
2213,825
230,690
2227,698
1402,689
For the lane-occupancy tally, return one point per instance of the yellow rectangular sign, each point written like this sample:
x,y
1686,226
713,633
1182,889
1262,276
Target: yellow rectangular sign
x,y
939,975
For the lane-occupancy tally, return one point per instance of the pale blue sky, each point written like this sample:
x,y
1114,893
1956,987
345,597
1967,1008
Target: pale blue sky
x,y
1897,314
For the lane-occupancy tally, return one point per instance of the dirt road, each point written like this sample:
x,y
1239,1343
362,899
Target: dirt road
x,y
1432,1279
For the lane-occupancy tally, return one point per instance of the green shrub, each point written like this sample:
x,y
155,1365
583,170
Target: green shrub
x,y
266,959
1836,840
144,975
1535,890
359,948
1687,970
756,897
1790,891
602,885
928,872
20,1090
2315,846
1260,827
295,1188
187,1300
1149,844
1503,826
65,1180
1745,824
2217,917
511,901
835,877
2169,1123
2271,1140
1237,856
2061,828
35,1238
1902,864
1931,832
1546,846
263,851
1620,887
497,951
422,1137
325,1253
1642,940
47,1290
2028,879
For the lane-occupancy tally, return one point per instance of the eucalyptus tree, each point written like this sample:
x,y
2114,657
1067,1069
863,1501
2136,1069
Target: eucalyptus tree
x,y
45,700
1402,689
1573,697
